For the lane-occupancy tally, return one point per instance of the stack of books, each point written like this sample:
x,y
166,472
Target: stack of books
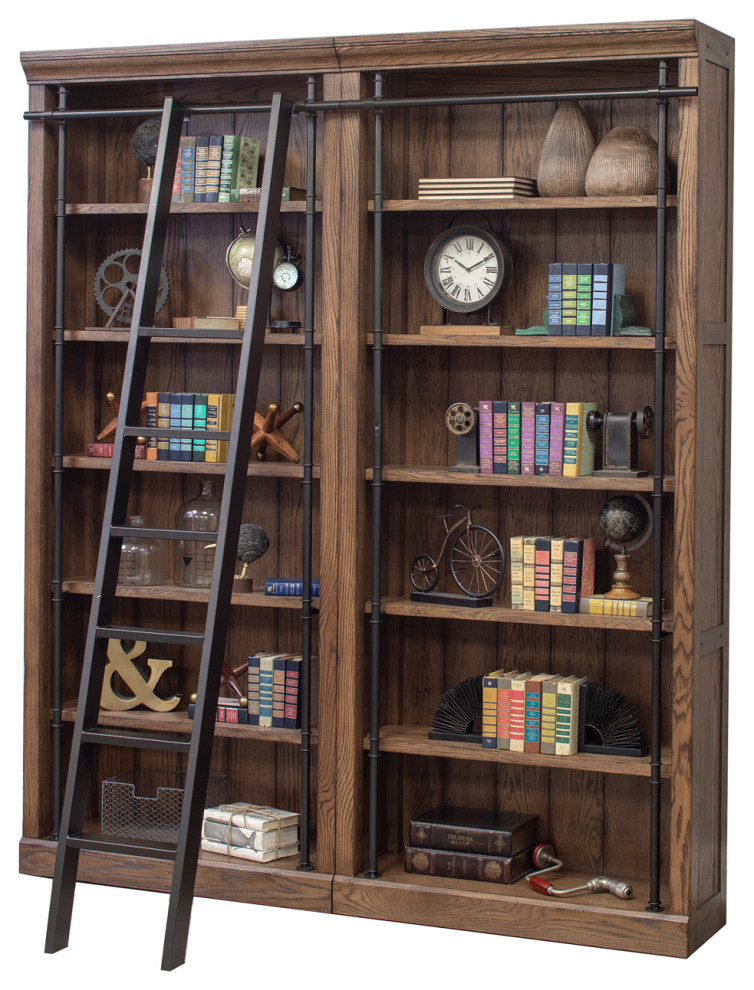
x,y
524,712
535,438
471,844
209,168
580,298
551,573
274,690
494,187
250,831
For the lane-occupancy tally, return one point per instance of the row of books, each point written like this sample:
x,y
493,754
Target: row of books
x,y
551,573
250,831
471,844
187,411
580,298
208,168
531,713
535,438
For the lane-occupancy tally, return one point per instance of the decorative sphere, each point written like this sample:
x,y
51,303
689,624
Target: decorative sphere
x,y
240,257
623,519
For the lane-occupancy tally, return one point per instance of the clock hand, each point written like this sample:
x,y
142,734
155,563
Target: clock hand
x,y
461,264
490,255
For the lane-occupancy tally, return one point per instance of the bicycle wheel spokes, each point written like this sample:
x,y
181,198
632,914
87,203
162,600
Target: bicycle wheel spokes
x,y
423,572
477,561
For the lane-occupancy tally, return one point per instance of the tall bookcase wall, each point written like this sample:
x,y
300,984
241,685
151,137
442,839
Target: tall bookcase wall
x,y
596,810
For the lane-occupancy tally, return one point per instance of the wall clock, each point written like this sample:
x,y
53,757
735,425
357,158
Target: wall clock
x,y
467,268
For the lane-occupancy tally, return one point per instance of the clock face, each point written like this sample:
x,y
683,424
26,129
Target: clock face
x,y
466,268
286,275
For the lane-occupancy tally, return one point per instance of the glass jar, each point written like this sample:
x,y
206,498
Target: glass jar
x,y
142,559
194,559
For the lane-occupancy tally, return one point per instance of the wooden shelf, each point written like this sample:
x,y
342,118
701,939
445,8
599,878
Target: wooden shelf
x,y
412,740
427,474
174,593
524,203
105,336
179,723
110,209
403,605
260,469
511,340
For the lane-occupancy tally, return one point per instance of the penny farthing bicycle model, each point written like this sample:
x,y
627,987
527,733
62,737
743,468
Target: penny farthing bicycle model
x,y
477,559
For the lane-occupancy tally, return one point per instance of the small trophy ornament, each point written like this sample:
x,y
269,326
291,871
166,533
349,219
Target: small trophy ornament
x,y
627,523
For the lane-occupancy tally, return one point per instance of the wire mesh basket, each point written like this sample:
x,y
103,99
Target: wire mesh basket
x,y
146,803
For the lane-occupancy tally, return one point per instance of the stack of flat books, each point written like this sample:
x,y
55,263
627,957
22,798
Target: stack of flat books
x,y
471,844
495,187
250,831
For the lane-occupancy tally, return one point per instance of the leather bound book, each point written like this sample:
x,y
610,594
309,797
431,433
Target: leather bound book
x,y
466,866
473,830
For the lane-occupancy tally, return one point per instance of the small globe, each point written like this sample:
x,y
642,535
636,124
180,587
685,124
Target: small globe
x,y
240,256
623,519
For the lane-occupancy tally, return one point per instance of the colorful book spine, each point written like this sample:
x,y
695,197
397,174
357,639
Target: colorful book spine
x,y
289,586
499,437
187,422
608,281
485,437
200,169
466,866
636,608
175,424
151,420
489,709
542,574
504,709
516,564
252,689
570,283
533,713
567,715
514,438
219,417
228,710
226,168
266,667
163,423
253,194
549,708
245,164
541,438
584,301
279,665
214,164
188,155
556,573
557,435
588,566
529,573
96,449
528,433
518,711
200,423
578,442
292,704
572,557
176,194
555,300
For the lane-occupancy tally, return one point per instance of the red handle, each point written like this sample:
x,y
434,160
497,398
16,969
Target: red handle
x,y
540,884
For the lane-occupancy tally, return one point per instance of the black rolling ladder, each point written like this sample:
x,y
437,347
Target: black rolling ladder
x,y
198,749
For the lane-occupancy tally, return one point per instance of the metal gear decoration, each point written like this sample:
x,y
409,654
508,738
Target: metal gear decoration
x,y
115,285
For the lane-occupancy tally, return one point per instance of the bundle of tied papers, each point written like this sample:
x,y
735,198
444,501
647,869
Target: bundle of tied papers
x,y
250,831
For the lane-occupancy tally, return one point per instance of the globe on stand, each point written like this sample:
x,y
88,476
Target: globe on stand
x,y
627,522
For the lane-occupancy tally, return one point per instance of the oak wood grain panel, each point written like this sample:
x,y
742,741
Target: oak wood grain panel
x,y
522,203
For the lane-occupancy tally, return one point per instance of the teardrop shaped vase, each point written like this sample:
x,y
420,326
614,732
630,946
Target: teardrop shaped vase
x,y
567,150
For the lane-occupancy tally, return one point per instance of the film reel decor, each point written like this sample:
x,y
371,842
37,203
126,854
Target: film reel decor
x,y
460,418
115,286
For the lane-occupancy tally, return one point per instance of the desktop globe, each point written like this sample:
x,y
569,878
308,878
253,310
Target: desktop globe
x,y
623,520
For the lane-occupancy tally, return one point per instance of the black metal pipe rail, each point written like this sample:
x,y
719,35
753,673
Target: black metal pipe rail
x,y
57,481
657,501
375,619
312,106
306,563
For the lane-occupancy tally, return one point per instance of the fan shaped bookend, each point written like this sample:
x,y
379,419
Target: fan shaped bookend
x,y
608,724
460,706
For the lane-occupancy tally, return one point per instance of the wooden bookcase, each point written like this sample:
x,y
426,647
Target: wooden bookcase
x,y
595,809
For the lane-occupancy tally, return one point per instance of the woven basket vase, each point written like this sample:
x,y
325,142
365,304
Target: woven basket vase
x,y
624,164
567,150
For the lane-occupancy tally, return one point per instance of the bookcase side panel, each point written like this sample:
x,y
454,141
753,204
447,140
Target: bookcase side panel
x,y
37,808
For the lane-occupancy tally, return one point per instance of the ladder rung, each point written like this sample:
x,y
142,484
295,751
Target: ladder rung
x,y
134,740
151,635
175,434
120,844
185,332
193,536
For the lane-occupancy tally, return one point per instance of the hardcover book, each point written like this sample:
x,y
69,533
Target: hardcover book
x,y
528,432
466,866
530,544
514,438
570,283
573,553
556,573
485,437
638,608
542,574
489,709
504,709
226,168
499,437
549,707
151,420
200,423
518,710
567,715
200,169
245,163
542,438
186,422
533,713
578,442
584,301
163,423
609,281
555,299
188,154
473,830
214,164
557,428
516,563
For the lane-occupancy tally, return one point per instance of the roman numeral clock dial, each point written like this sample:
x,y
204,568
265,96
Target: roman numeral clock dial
x,y
466,268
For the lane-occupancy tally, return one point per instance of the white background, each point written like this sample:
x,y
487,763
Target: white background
x,y
116,936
